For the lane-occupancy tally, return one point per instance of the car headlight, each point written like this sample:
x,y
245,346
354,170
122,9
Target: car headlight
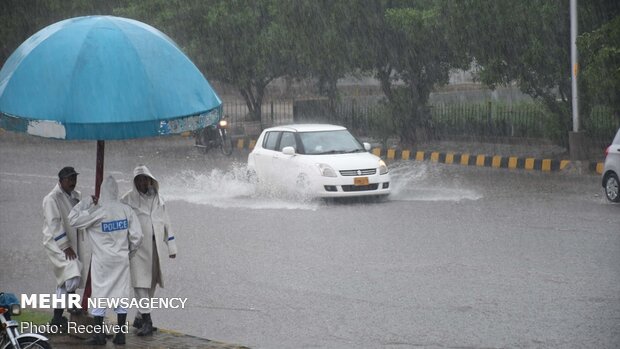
x,y
223,123
382,167
327,171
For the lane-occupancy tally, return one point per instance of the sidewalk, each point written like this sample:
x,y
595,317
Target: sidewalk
x,y
160,339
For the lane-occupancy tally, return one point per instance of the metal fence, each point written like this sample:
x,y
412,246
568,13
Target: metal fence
x,y
360,115
489,120
354,113
458,119
272,113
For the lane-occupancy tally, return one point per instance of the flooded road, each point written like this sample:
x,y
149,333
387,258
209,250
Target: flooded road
x,y
457,257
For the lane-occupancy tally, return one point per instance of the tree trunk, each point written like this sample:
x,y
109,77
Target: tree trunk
x,y
253,96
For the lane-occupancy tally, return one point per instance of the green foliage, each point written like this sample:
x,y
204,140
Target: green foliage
x,y
22,18
319,34
602,123
600,52
380,123
493,119
527,42
238,42
410,46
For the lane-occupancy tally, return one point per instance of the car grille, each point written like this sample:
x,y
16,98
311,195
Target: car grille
x,y
365,172
373,186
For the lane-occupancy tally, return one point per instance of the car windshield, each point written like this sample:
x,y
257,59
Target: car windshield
x,y
329,142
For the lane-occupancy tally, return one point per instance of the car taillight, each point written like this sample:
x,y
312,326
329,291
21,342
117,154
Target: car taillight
x,y
607,151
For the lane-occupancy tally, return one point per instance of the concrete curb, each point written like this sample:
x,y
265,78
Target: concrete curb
x,y
162,338
493,161
465,159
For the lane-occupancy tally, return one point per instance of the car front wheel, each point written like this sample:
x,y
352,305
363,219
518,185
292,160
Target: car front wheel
x,y
252,176
611,188
302,182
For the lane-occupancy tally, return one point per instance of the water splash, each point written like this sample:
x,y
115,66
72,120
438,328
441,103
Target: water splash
x,y
231,187
423,181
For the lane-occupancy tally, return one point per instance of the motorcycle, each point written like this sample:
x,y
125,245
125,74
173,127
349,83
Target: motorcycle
x,y
215,136
10,338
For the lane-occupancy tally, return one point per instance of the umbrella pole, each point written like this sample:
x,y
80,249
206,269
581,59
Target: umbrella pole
x,y
99,169
98,180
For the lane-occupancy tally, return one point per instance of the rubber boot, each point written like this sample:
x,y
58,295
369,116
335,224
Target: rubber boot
x,y
137,322
97,338
147,326
74,310
120,335
58,319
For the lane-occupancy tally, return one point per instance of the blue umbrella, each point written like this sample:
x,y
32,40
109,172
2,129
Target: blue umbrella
x,y
103,78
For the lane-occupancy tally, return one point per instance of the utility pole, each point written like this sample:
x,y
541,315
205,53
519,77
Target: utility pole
x,y
576,139
574,63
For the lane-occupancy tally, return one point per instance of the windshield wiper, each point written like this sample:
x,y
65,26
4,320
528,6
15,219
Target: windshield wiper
x,y
340,151
331,152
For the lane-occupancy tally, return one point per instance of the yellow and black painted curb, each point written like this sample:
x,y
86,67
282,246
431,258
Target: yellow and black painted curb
x,y
480,160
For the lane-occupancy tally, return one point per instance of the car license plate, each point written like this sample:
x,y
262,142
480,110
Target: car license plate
x,y
359,181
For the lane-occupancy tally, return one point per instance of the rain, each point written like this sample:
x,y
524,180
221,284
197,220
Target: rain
x,y
494,119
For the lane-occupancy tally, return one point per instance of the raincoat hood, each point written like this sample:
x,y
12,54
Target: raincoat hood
x,y
143,170
109,190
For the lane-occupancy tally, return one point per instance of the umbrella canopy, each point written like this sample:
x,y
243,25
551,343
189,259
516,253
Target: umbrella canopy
x,y
103,78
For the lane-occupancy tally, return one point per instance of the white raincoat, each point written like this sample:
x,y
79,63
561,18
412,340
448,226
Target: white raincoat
x,y
58,235
151,211
114,232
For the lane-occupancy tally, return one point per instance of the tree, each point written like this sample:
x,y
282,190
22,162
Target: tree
x,y
22,18
406,47
527,42
238,42
320,34
600,52
242,44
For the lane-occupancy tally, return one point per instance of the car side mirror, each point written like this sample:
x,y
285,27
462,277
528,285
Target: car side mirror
x,y
288,151
367,146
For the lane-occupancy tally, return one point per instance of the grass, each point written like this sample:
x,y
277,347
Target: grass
x,y
36,317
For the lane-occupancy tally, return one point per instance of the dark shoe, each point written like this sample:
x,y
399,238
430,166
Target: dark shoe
x,y
121,319
75,311
119,338
147,326
59,321
97,338
137,322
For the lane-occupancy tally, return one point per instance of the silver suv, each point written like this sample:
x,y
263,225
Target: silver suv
x,y
612,170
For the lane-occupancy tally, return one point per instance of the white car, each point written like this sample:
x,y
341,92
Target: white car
x,y
612,170
322,160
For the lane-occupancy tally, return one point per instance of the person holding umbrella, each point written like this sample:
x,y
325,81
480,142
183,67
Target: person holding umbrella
x,y
159,240
115,235
63,243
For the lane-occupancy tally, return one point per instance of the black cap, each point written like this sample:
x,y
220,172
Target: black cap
x,y
67,172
